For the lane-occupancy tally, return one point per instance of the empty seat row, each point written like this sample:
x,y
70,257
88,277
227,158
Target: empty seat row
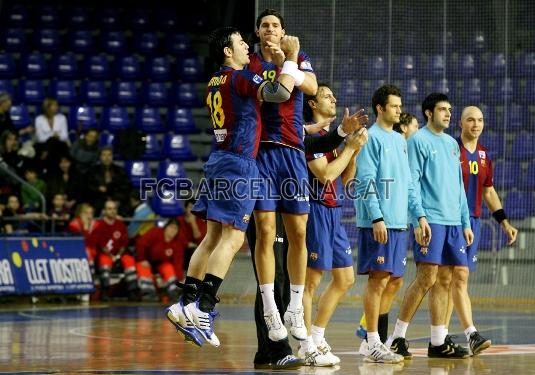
x,y
67,66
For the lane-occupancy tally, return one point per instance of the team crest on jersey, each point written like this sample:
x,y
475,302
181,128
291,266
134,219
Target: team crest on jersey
x,y
319,155
116,234
314,256
482,154
305,65
380,260
168,252
257,79
220,135
246,218
424,250
483,162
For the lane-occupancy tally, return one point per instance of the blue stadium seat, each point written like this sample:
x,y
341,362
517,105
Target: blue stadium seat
x,y
152,148
148,120
349,93
371,86
48,16
494,142
15,40
165,204
471,91
181,121
375,67
31,91
528,92
190,69
136,170
109,18
517,116
466,66
212,149
477,42
523,146
519,204
178,45
185,95
18,16
113,42
155,94
125,93
525,65
499,90
106,139
507,174
497,64
65,66
20,116
529,182
35,66
171,169
8,69
97,67
7,86
487,241
406,66
82,118
128,67
410,90
94,92
177,147
115,118
441,85
146,43
64,91
78,18
158,68
81,41
166,19
139,19
436,66
47,40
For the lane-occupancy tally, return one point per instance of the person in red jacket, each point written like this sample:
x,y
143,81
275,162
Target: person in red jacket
x,y
110,237
162,250
84,223
192,231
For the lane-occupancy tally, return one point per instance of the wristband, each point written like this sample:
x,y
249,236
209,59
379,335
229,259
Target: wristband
x,y
341,131
378,220
290,68
499,215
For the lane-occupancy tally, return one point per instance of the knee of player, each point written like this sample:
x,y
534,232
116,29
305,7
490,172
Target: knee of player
x,y
345,283
460,276
395,284
311,284
426,279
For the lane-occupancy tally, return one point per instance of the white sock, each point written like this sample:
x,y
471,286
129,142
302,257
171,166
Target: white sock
x,y
308,344
317,334
296,297
469,331
438,334
373,338
447,331
268,297
400,329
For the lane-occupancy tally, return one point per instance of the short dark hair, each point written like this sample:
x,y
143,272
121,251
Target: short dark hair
x,y
191,201
270,12
380,96
308,114
431,101
404,119
218,40
172,221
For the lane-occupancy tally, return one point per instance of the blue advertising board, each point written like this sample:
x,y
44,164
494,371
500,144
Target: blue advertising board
x,y
44,265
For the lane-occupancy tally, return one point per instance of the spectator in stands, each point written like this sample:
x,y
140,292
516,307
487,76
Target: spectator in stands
x,y
142,216
160,249
84,223
85,151
111,241
65,180
107,180
59,213
193,230
31,199
51,124
14,210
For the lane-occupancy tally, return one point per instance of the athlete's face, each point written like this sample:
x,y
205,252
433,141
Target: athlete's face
x,y
472,123
325,103
441,115
239,50
391,111
270,29
411,128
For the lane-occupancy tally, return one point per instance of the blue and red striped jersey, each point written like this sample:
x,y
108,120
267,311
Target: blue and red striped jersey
x,y
477,173
283,122
234,109
329,194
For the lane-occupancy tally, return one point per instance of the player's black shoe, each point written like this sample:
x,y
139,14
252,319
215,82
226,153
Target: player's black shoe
x,y
449,340
401,346
447,350
478,343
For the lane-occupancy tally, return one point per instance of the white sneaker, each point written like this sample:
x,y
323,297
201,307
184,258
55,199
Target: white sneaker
x,y
295,318
315,358
379,353
203,321
276,330
325,349
175,314
363,348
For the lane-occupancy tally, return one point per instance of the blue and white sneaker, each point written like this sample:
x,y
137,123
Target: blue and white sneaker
x,y
175,314
204,322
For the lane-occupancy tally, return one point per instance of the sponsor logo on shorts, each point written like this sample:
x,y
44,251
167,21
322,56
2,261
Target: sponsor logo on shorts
x,y
348,251
380,260
462,250
474,258
424,250
314,256
246,218
404,261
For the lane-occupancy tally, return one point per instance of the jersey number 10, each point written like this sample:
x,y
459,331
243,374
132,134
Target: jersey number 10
x,y
215,103
474,167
